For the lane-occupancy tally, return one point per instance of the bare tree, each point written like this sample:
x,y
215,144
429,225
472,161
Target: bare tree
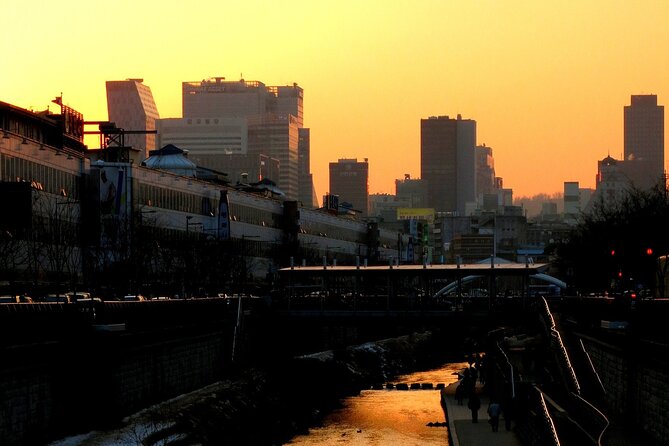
x,y
51,249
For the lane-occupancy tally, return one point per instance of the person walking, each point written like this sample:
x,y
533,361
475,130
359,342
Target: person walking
x,y
494,410
474,404
460,393
508,413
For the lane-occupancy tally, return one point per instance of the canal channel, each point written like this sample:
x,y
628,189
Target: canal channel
x,y
389,416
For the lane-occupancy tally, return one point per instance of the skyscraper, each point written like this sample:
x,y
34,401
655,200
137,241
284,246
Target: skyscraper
x,y
485,171
305,178
277,136
644,136
130,106
448,162
274,117
349,179
218,98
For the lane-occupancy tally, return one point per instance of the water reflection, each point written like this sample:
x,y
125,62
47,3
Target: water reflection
x,y
382,417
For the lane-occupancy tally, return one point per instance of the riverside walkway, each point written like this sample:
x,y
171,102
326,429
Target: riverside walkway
x,y
465,433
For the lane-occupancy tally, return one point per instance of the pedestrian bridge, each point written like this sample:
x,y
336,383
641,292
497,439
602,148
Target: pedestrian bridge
x,y
404,287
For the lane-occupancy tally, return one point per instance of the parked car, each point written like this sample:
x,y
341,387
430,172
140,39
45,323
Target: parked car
x,y
76,296
133,297
16,299
58,298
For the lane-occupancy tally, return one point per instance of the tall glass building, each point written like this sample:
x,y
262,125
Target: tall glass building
x,y
130,106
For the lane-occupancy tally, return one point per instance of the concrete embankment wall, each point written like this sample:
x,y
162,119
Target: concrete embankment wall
x,y
90,380
59,376
636,380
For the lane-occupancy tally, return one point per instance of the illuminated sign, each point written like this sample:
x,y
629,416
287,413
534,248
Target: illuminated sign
x,y
415,213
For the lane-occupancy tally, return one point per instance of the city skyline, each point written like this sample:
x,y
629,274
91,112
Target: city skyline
x,y
546,84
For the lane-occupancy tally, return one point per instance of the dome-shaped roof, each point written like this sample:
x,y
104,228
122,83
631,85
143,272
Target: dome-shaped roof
x,y
609,161
172,159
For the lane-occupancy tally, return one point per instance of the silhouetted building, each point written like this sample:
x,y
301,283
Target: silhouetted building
x,y
307,194
411,192
277,136
448,162
611,182
274,119
130,106
218,98
572,200
485,170
349,179
644,140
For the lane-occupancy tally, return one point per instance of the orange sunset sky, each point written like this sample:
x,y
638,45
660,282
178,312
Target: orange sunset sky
x,y
545,81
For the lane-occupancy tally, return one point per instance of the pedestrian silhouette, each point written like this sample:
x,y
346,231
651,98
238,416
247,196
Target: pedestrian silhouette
x,y
460,393
474,405
494,409
508,413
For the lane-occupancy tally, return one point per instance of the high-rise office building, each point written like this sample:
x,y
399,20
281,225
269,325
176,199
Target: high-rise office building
x,y
130,106
275,125
305,178
485,171
205,137
448,162
349,179
644,136
277,136
218,98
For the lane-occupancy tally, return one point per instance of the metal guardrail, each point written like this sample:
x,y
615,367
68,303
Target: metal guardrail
x,y
557,343
546,418
510,366
597,422
590,419
592,367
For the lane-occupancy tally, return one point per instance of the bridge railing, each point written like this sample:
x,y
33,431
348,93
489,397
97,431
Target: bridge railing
x,y
329,301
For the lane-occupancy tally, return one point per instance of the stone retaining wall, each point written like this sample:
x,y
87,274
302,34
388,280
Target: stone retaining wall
x,y
636,380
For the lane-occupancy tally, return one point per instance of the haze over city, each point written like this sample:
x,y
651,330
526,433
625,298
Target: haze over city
x,y
546,83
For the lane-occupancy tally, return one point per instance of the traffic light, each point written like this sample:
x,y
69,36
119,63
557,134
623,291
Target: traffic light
x,y
649,251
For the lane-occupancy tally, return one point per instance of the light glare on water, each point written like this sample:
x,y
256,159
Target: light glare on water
x,y
382,417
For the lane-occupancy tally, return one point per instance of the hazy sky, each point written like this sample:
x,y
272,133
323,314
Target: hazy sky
x,y
546,81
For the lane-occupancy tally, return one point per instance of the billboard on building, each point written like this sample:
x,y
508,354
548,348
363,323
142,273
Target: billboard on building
x,y
415,213
113,191
114,202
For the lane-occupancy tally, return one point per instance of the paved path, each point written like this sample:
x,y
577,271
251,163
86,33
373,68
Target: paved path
x,y
464,432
